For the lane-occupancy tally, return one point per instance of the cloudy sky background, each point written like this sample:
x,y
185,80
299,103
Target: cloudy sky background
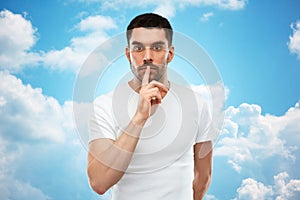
x,y
254,44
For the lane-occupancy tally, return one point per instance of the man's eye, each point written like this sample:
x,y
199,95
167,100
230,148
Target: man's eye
x,y
138,48
157,47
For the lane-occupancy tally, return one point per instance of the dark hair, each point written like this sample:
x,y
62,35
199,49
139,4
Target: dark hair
x,y
150,20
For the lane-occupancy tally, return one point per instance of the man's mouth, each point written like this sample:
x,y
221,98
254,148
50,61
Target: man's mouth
x,y
144,67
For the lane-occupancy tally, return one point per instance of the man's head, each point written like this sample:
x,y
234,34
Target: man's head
x,y
149,39
150,20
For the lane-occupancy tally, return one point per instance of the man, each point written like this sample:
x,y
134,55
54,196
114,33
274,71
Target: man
x,y
150,139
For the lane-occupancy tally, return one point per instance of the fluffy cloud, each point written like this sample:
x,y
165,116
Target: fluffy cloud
x,y
283,189
210,197
24,110
45,170
25,152
17,36
250,137
168,7
294,43
286,189
29,116
73,56
40,153
253,190
15,189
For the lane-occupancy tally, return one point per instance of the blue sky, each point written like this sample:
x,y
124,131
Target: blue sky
x,y
254,44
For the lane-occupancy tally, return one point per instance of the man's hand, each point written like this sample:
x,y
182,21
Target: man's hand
x,y
150,94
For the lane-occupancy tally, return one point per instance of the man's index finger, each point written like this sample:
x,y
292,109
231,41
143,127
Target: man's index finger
x,y
145,80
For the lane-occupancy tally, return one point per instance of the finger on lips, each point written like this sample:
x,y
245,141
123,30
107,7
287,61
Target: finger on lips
x,y
161,89
145,80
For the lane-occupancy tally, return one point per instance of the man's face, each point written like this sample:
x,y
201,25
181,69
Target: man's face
x,y
149,47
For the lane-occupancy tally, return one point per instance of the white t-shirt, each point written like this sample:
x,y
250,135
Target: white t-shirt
x,y
162,164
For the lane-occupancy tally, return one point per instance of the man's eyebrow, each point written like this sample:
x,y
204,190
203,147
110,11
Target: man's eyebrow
x,y
159,42
136,42
154,43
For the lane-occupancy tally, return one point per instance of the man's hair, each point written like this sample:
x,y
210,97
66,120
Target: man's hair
x,y
150,20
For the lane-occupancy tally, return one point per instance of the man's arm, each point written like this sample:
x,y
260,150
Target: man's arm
x,y
202,168
109,159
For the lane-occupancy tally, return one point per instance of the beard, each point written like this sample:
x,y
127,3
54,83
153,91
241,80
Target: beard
x,y
160,71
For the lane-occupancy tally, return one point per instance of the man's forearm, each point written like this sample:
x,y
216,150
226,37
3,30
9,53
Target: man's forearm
x,y
200,188
202,168
108,160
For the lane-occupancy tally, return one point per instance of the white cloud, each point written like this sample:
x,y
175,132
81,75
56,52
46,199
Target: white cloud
x,y
16,189
229,4
210,197
35,170
168,7
10,187
235,166
17,37
219,91
96,23
81,115
206,16
73,56
294,43
24,112
249,136
283,189
253,190
286,189
40,151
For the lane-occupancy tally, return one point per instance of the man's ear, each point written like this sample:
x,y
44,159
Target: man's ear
x,y
170,54
127,53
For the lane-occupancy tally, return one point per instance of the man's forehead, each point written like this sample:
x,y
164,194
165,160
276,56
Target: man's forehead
x,y
148,35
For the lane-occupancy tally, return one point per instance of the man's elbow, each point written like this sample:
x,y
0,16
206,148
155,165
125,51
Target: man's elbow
x,y
98,187
96,182
201,183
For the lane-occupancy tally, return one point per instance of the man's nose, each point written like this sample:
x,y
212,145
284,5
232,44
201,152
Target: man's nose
x,y
148,55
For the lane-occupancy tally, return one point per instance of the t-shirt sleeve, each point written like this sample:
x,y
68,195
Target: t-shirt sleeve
x,y
205,129
101,121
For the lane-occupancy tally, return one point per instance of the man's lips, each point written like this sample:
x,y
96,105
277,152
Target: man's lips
x,y
145,67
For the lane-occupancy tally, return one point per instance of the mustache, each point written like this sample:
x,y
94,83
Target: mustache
x,y
144,66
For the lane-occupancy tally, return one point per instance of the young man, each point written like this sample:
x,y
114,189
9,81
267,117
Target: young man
x,y
147,137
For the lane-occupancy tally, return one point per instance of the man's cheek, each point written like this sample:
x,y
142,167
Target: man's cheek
x,y
134,61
